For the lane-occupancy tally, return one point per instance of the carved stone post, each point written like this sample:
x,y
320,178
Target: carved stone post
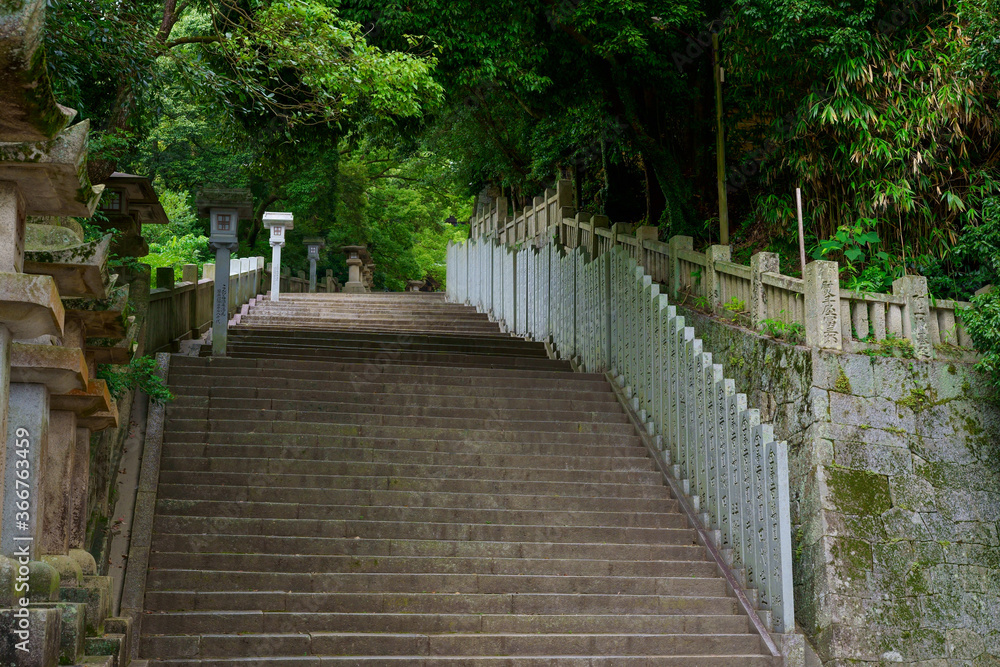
x,y
761,263
822,300
917,313
597,222
645,233
713,282
677,243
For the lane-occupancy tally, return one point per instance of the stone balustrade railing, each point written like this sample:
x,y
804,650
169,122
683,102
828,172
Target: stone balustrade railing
x,y
608,314
299,283
829,317
180,311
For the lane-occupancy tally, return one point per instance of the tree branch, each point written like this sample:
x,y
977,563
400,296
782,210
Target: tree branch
x,y
192,40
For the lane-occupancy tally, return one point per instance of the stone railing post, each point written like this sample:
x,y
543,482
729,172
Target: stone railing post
x,y
597,222
189,274
677,243
916,314
761,263
822,301
645,233
574,235
713,283
566,209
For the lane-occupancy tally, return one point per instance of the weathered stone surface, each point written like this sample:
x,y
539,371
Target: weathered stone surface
x,y
28,110
79,271
30,306
60,369
54,172
41,641
95,593
900,461
26,439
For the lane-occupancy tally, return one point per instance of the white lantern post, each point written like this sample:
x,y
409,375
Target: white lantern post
x,y
278,223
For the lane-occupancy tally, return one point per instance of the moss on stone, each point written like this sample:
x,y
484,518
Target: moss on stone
x,y
858,491
842,385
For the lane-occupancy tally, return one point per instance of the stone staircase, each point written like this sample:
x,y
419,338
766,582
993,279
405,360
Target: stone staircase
x,y
390,480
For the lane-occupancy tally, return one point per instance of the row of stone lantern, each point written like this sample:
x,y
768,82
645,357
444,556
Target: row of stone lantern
x,y
61,314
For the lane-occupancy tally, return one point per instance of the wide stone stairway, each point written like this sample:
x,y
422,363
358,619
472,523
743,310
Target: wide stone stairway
x,y
387,479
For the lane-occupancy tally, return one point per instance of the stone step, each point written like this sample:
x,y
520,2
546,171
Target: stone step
x,y
398,356
303,443
300,564
454,644
337,346
379,382
451,602
373,454
203,408
549,660
371,529
268,466
386,325
336,370
346,392
246,622
351,546
586,423
420,484
273,510
416,498
216,426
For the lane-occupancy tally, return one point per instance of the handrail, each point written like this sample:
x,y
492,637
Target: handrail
x,y
608,315
831,318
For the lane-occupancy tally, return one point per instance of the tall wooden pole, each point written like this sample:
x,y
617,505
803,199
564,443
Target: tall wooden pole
x,y
720,145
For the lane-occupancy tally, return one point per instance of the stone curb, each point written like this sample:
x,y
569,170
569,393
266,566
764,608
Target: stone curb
x,y
134,590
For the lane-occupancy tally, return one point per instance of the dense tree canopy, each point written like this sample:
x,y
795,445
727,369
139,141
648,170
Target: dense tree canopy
x,y
373,120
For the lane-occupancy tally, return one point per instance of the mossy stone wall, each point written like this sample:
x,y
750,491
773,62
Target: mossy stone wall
x,y
895,484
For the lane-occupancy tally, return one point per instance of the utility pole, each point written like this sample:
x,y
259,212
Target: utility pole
x,y
720,145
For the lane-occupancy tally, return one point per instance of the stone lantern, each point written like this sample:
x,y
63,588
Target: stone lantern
x,y
313,246
356,255
278,223
224,208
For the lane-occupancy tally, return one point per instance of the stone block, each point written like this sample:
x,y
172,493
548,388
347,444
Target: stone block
x,y
108,644
912,492
41,641
95,592
873,458
72,631
857,492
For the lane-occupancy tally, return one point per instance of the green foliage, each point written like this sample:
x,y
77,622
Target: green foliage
x,y
140,374
890,346
982,322
793,332
735,306
177,251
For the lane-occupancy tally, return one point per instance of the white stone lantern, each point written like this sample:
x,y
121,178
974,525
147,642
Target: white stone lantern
x,y
279,223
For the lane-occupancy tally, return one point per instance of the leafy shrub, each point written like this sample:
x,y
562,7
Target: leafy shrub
x,y
140,374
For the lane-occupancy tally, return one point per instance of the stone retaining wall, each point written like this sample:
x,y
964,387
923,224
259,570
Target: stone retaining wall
x,y
895,482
